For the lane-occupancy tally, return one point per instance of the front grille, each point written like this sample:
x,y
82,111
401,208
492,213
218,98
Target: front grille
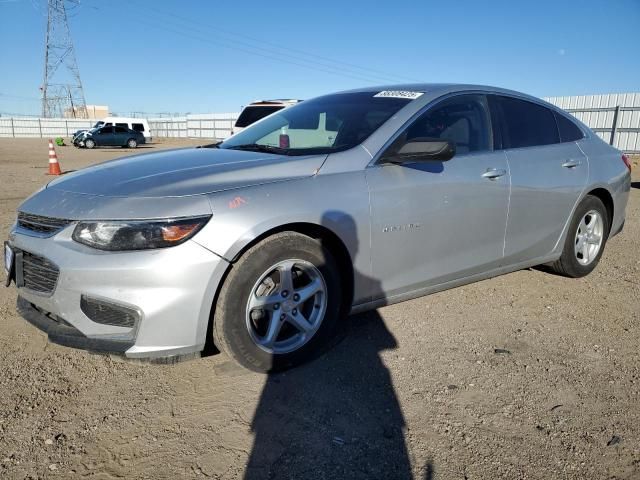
x,y
38,273
40,224
108,313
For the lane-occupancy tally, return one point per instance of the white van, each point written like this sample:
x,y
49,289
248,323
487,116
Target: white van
x,y
137,124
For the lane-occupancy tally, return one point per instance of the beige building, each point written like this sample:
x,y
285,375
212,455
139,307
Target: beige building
x,y
93,111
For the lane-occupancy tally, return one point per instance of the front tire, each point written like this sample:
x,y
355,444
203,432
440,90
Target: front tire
x,y
280,304
89,143
586,239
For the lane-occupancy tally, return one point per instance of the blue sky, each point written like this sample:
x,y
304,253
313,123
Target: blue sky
x,y
214,56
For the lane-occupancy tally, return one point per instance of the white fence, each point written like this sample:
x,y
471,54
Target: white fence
x,y
613,117
17,127
205,125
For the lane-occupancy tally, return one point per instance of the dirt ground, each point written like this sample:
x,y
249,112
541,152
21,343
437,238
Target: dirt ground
x,y
527,375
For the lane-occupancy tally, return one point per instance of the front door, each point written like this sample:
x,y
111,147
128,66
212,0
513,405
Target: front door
x,y
433,222
105,136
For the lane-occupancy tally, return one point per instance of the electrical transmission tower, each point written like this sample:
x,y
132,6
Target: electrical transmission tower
x,y
62,93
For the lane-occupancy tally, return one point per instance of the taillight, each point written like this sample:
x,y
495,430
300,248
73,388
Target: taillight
x,y
626,161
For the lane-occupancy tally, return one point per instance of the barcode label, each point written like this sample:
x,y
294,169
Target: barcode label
x,y
399,94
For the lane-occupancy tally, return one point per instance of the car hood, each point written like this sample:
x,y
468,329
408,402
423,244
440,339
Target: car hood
x,y
184,172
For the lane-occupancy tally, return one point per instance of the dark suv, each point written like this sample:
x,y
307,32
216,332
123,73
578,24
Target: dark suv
x,y
109,136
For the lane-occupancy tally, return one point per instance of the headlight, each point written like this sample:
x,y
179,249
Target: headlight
x,y
137,234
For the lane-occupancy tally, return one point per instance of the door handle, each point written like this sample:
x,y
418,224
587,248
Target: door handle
x,y
572,163
493,173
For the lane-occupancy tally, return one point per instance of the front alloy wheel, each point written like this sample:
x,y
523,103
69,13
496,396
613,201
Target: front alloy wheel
x,y
280,305
286,306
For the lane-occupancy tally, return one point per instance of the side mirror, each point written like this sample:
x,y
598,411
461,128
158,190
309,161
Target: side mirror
x,y
422,150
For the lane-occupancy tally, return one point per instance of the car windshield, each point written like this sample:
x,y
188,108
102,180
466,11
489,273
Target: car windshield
x,y
322,125
98,124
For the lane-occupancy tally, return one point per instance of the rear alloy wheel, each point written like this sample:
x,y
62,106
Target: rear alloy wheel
x,y
89,143
280,303
132,143
585,240
589,237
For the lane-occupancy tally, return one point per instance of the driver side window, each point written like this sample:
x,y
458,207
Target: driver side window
x,y
462,119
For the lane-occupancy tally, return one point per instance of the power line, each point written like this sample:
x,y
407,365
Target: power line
x,y
329,62
19,97
338,68
256,53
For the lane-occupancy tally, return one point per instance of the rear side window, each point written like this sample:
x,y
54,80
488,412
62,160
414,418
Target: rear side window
x,y
252,114
138,127
526,124
121,129
569,131
125,125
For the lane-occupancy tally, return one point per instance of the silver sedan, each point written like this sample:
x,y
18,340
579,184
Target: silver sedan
x,y
265,243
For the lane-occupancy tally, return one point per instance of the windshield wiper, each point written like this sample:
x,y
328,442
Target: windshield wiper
x,y
257,147
210,145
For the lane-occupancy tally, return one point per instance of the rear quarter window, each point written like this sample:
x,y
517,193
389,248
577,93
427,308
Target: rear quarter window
x,y
569,131
526,124
252,114
138,127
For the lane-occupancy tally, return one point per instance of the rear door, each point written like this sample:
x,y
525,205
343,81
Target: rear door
x,y
121,135
548,173
434,222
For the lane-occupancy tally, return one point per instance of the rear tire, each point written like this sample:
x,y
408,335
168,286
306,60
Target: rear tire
x,y
299,328
586,239
132,143
89,143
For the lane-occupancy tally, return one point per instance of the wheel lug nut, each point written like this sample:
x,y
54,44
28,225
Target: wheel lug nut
x,y
283,316
285,294
294,311
276,306
296,297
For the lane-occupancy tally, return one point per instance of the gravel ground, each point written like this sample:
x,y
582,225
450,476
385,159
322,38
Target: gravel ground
x,y
528,375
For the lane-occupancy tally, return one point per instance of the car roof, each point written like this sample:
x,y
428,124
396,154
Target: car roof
x,y
442,88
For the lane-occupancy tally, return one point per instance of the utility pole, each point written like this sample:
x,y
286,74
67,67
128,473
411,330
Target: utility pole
x,y
61,89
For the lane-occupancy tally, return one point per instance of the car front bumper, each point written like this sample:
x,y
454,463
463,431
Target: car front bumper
x,y
171,292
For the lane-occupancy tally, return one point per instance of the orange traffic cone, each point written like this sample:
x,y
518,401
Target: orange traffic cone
x,y
54,166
